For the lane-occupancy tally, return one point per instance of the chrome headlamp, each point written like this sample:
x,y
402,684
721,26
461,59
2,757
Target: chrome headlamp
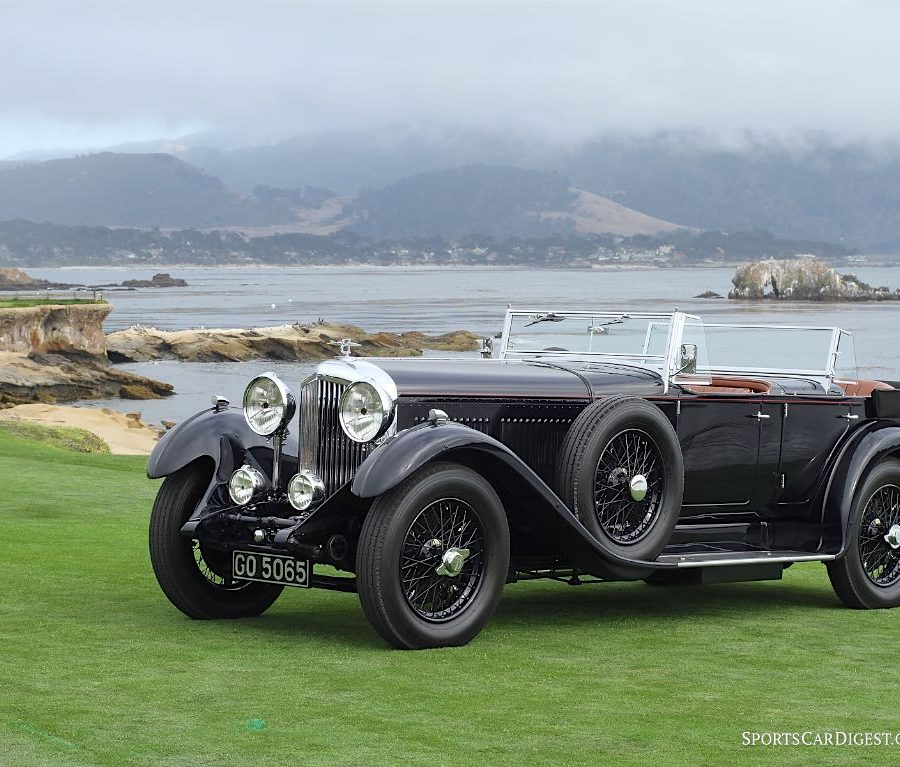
x,y
268,405
366,411
304,489
245,485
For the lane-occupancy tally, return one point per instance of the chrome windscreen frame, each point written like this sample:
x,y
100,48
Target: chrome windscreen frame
x,y
824,376
666,365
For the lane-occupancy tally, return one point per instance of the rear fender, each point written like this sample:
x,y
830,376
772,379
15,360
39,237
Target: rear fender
x,y
871,443
401,456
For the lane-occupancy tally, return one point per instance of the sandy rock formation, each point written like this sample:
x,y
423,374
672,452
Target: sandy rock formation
x,y
17,279
296,342
59,378
76,328
802,279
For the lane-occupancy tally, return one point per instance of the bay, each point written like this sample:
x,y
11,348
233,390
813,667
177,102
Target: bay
x,y
437,299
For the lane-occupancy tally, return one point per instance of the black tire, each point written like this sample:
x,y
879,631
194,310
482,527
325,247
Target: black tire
x,y
397,561
609,444
868,575
198,583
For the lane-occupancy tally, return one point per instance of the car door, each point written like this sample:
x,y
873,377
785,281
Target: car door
x,y
812,429
724,440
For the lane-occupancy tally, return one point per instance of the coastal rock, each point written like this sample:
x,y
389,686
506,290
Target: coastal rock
x,y
802,279
708,294
297,342
17,279
161,280
54,328
63,378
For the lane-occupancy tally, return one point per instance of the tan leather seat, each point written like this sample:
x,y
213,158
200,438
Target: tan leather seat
x,y
723,385
863,388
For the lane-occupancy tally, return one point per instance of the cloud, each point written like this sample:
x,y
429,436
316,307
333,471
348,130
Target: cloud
x,y
78,71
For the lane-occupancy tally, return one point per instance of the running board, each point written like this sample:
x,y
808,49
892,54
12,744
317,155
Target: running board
x,y
736,558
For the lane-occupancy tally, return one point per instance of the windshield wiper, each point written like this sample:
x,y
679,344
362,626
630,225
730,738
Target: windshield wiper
x,y
601,327
549,317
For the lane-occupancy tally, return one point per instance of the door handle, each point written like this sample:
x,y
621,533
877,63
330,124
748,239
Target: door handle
x,y
758,416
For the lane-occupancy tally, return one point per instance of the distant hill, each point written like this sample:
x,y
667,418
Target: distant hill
x,y
142,190
814,187
493,201
159,190
817,189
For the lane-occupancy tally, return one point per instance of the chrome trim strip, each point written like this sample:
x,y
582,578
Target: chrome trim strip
x,y
744,560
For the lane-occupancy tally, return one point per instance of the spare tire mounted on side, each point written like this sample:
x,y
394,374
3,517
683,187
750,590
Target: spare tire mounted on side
x,y
621,471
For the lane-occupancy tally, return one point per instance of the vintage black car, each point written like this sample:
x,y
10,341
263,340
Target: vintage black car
x,y
588,445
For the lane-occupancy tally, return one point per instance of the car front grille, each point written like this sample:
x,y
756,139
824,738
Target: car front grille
x,y
324,448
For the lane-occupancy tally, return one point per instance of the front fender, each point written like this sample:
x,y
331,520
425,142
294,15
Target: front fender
x,y
398,458
865,447
221,435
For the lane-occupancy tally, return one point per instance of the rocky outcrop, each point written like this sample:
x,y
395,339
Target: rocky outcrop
x,y
802,279
16,279
54,328
161,280
57,353
63,378
298,342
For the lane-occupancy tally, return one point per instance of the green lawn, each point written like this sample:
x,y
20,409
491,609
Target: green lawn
x,y
26,303
96,668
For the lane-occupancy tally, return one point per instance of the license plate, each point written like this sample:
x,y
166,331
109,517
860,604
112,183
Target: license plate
x,y
271,568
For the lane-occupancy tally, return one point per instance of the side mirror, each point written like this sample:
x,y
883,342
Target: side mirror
x,y
688,361
487,348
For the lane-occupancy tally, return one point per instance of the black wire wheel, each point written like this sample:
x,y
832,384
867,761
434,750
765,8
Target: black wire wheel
x,y
432,558
442,560
622,473
197,579
868,575
629,486
879,536
215,566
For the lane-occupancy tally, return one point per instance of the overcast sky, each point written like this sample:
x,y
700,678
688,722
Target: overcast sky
x,y
89,74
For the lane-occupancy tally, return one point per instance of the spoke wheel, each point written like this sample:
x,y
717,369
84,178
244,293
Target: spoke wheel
x,y
880,559
215,568
621,471
196,579
868,575
629,485
437,537
432,558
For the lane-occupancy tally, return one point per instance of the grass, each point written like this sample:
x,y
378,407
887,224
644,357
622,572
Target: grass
x,y
65,437
96,668
27,303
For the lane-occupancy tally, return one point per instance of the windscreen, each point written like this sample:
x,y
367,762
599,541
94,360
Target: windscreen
x,y
620,335
809,351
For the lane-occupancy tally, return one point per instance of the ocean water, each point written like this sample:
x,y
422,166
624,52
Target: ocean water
x,y
437,300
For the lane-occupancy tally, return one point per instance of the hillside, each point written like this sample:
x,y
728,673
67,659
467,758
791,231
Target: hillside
x,y
493,201
142,190
817,189
813,186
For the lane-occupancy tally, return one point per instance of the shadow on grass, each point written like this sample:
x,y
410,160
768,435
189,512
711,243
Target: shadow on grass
x,y
525,607
637,601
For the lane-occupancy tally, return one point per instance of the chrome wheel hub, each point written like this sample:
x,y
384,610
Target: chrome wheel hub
x,y
893,537
452,562
638,487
